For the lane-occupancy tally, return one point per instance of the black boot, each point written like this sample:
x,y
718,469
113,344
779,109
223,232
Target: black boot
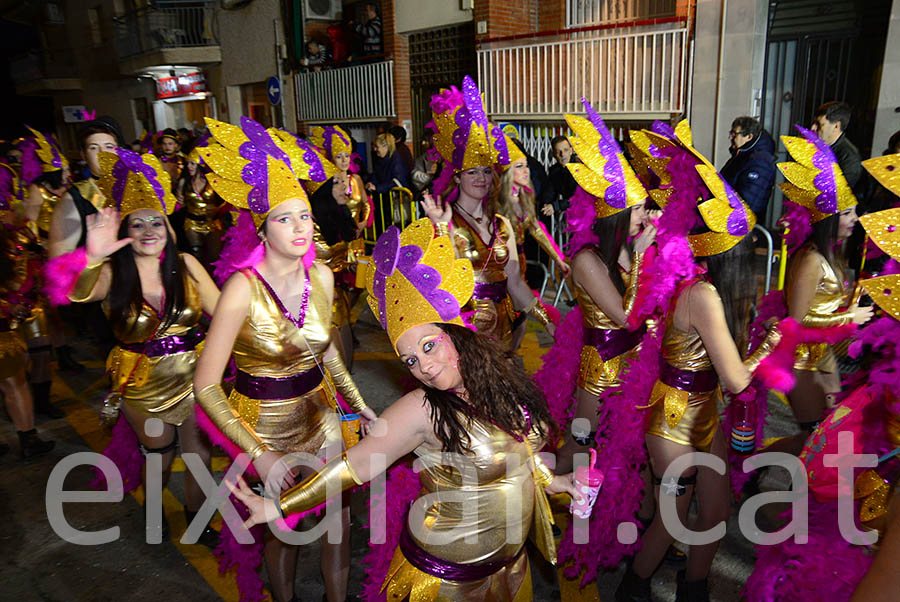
x,y
209,537
691,591
66,362
30,445
633,588
42,403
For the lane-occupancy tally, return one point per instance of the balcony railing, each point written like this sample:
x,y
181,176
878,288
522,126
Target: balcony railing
x,y
580,13
148,29
358,93
635,74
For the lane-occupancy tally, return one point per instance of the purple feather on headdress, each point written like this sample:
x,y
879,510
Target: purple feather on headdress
x,y
31,164
7,188
616,195
823,160
131,162
738,224
311,157
258,148
663,129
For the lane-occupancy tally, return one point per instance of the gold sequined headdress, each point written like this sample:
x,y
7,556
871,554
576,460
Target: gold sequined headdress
x,y
415,278
258,169
727,216
815,180
463,135
135,182
332,139
48,152
604,173
883,227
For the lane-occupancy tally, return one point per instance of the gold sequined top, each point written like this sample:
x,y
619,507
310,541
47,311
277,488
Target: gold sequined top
x,y
591,314
144,326
823,311
685,350
47,208
487,484
269,344
488,259
91,192
357,202
200,204
335,256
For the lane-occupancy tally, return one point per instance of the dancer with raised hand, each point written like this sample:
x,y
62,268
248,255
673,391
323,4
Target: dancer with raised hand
x,y
154,298
475,404
472,147
274,317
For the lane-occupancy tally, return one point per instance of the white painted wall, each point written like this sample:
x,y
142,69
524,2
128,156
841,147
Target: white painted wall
x,y
887,120
416,15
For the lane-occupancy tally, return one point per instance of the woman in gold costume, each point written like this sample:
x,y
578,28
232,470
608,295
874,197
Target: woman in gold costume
x,y
202,227
814,284
604,269
154,298
274,317
703,342
517,205
476,405
479,232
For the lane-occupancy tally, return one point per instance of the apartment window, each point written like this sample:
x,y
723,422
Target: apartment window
x,y
94,26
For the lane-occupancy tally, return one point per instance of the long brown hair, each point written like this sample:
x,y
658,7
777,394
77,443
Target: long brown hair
x,y
498,389
526,198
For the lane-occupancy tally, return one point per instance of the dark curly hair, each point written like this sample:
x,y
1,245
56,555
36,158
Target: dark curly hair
x,y
497,386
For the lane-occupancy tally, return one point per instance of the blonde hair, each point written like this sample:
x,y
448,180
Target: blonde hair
x,y
526,197
389,141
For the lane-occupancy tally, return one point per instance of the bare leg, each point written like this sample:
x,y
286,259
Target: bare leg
x,y
656,540
713,497
281,564
586,410
518,334
193,442
335,560
137,420
18,401
808,402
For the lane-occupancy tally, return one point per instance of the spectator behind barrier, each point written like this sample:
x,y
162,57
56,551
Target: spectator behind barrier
x,y
561,179
751,168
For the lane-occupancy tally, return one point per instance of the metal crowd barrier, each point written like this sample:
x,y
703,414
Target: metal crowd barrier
x,y
394,208
770,256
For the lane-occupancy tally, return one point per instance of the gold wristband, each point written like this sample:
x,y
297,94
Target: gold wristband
x,y
816,320
335,477
214,402
764,350
442,229
631,292
542,474
344,383
86,282
537,311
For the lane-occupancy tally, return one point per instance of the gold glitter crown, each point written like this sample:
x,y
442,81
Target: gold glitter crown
x,y
414,278
135,181
317,170
512,152
463,135
604,173
815,180
883,227
255,168
727,216
885,169
332,139
48,152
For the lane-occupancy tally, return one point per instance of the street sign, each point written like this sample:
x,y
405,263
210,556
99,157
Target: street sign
x,y
273,89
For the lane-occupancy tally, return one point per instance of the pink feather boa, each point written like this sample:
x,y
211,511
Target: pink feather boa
x,y
799,223
61,273
580,218
621,455
124,451
558,375
401,489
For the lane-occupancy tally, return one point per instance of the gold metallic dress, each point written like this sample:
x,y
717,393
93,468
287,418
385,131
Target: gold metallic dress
x,y
358,201
533,226
201,210
493,309
473,503
13,351
595,374
29,259
341,259
269,345
161,386
689,417
46,213
823,313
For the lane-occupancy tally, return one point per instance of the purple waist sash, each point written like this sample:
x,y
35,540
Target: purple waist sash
x,y
493,291
177,343
270,387
688,380
444,569
612,343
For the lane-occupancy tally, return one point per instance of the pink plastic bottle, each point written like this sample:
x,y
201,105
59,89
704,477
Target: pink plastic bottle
x,y
588,481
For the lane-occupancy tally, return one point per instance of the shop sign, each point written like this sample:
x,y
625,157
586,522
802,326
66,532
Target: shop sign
x,y
182,85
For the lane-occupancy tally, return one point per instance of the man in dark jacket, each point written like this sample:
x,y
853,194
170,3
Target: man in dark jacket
x,y
829,123
751,168
561,178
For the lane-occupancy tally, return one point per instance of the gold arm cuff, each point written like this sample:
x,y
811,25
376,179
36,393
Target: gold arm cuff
x,y
543,476
537,311
631,292
86,282
816,320
344,383
214,402
442,229
764,350
545,243
335,477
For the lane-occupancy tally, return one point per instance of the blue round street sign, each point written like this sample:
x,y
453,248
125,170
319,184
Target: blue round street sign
x,y
273,89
